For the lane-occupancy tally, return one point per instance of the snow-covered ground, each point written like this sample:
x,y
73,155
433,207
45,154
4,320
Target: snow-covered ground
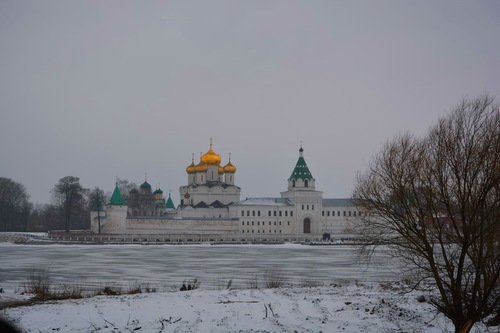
x,y
346,308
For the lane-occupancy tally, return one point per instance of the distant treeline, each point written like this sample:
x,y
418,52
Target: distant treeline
x,y
70,207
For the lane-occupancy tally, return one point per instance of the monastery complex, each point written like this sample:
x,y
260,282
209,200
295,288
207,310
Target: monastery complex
x,y
211,209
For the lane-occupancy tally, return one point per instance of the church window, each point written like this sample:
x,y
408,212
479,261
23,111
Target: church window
x,y
288,222
291,213
338,213
248,213
268,213
252,223
258,213
274,230
293,183
269,231
306,183
258,222
274,222
280,231
269,222
312,207
274,213
344,212
252,231
354,213
302,207
242,213
280,213
286,213
323,213
328,213
307,207
349,213
280,222
258,231
248,222
253,212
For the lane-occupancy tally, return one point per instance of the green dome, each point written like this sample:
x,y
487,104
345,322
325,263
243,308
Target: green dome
x,y
145,186
116,197
158,191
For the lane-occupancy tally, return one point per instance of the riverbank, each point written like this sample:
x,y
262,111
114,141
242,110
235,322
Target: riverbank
x,y
338,308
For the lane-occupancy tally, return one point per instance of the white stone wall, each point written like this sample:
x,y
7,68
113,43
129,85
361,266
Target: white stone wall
x,y
114,221
341,220
257,220
136,226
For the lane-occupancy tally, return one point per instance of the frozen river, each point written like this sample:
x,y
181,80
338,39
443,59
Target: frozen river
x,y
167,266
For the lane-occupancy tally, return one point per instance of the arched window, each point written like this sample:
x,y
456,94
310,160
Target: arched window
x,y
293,183
306,183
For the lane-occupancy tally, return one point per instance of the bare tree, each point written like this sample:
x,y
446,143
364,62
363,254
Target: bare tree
x,y
436,202
69,194
14,205
96,203
125,187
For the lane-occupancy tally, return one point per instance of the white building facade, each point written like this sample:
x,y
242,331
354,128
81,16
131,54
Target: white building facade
x,y
211,209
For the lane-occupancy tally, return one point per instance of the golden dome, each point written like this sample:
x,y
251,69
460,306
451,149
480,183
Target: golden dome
x,y
190,169
211,157
201,167
229,168
221,170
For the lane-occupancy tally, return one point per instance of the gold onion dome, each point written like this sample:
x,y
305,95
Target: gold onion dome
x,y
191,168
201,167
221,170
211,157
229,167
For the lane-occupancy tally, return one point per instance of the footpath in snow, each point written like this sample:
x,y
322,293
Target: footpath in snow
x,y
349,308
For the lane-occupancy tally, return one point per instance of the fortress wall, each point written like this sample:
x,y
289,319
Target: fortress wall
x,y
181,226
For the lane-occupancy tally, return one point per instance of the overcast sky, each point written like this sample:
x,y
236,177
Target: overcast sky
x,y
105,89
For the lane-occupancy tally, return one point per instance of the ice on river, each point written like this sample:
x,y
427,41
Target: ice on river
x,y
167,266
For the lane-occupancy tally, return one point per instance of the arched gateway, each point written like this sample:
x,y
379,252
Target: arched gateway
x,y
307,225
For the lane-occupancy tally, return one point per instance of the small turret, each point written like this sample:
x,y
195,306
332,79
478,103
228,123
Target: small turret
x,y
116,197
301,177
170,203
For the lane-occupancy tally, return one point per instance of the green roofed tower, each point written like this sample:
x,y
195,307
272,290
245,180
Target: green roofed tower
x,y
169,204
116,198
301,177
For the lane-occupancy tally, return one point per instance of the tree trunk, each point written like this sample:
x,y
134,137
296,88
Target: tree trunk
x,y
465,327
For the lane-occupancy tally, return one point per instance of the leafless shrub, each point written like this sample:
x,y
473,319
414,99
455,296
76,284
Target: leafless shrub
x,y
110,291
134,288
253,282
39,282
274,279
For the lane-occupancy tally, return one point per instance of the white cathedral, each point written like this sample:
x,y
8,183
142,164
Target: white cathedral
x,y
211,209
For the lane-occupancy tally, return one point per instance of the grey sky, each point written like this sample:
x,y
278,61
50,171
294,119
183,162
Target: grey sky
x,y
98,89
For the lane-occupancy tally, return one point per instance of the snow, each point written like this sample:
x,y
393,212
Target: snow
x,y
346,308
